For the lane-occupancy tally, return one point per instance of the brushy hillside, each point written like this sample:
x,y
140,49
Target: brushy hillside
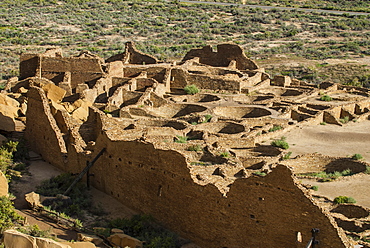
x,y
168,30
344,5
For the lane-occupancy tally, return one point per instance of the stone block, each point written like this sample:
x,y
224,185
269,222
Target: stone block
x,y
90,94
124,240
15,239
7,123
9,110
116,230
80,114
56,106
82,103
8,101
22,90
89,238
33,200
54,92
4,187
67,87
79,244
81,87
49,243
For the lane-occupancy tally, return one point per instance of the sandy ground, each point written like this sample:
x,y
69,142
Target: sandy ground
x,y
39,171
356,186
334,140
331,140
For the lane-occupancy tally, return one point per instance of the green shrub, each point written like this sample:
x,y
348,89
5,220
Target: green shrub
x,y
287,155
330,176
323,123
207,118
357,156
225,154
275,128
315,188
344,120
35,231
80,197
8,216
344,199
181,139
195,148
326,98
144,227
191,89
281,143
5,159
346,172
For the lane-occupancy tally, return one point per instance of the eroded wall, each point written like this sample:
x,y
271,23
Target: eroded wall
x,y
257,212
225,54
42,130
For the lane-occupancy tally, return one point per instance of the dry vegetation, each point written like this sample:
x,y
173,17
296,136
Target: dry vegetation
x,y
354,5
169,29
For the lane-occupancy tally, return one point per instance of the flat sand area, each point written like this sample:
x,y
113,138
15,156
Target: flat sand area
x,y
334,140
331,140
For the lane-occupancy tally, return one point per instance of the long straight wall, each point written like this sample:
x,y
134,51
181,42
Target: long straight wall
x,y
257,212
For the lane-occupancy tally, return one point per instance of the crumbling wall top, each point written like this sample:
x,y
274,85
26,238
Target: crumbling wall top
x,y
225,54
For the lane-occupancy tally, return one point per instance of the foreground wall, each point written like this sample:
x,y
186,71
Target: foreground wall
x,y
257,212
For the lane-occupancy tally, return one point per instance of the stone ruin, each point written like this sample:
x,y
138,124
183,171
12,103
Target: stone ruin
x,y
196,163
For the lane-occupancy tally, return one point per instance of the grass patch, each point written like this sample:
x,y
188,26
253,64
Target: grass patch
x,y
181,139
275,128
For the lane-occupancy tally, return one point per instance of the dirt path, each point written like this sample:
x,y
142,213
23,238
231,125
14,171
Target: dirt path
x,y
331,140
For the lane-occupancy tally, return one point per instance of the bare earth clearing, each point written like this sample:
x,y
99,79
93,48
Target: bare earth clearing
x,y
338,141
332,140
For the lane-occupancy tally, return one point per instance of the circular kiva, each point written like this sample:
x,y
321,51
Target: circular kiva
x,y
242,112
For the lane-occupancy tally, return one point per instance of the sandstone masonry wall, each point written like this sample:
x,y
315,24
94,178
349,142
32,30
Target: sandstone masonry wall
x,y
257,212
